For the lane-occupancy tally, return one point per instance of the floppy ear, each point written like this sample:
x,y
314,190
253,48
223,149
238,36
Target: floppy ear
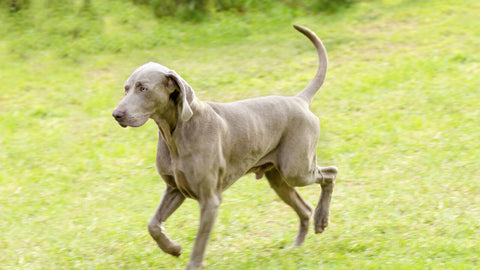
x,y
186,93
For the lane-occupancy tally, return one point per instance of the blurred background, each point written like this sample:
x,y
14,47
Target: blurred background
x,y
399,115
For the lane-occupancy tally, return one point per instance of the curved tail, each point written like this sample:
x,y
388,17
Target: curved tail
x,y
317,81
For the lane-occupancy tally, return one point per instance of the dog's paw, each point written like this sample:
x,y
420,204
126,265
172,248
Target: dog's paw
x,y
173,249
176,251
163,241
321,219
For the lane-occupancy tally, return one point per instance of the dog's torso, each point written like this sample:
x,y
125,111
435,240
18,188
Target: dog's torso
x,y
213,154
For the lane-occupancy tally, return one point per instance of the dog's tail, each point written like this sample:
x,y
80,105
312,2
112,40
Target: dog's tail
x,y
317,81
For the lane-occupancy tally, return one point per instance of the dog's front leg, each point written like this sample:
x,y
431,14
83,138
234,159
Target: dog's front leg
x,y
172,198
208,213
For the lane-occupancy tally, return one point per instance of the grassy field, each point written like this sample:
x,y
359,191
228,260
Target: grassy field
x,y
399,112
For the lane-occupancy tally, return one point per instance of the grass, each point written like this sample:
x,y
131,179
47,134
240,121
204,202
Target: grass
x,y
399,114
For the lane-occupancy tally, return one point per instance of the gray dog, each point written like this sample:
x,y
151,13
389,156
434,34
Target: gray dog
x,y
204,147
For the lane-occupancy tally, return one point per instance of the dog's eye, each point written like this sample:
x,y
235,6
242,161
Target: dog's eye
x,y
143,89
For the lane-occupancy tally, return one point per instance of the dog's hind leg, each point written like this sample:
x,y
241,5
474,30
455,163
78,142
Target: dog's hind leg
x,y
172,198
326,177
298,167
291,197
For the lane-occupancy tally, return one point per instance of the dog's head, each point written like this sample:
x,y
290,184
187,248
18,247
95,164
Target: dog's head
x,y
153,91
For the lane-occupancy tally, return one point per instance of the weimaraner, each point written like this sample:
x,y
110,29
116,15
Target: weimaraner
x,y
204,147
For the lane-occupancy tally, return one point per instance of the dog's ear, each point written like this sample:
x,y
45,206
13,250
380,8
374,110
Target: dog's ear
x,y
186,94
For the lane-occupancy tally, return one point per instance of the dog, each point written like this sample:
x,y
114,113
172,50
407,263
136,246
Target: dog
x,y
204,147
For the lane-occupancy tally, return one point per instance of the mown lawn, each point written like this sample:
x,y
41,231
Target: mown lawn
x,y
399,114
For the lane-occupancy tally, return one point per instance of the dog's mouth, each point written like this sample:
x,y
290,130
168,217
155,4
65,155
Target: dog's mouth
x,y
125,123
125,120
121,122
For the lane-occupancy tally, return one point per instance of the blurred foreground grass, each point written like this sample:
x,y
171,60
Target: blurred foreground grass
x,y
399,114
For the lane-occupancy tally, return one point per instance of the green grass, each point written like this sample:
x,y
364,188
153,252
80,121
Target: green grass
x,y
399,114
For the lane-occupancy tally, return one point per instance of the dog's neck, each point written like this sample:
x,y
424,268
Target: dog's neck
x,y
168,121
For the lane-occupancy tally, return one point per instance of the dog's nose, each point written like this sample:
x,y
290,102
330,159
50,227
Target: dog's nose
x,y
118,114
